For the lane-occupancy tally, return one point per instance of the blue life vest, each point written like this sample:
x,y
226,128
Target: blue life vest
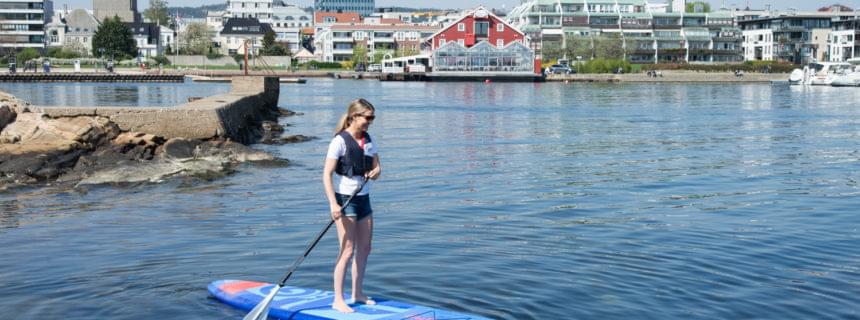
x,y
353,162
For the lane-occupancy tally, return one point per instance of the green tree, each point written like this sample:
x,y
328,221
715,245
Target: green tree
x,y
608,46
405,51
702,6
157,12
379,54
551,50
359,53
268,39
579,47
115,38
270,47
27,54
196,39
77,47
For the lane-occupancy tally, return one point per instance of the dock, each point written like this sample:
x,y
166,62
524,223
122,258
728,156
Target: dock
x,y
230,79
90,77
464,76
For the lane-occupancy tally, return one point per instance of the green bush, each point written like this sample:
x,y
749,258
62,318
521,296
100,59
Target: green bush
x,y
162,60
324,65
26,55
748,66
601,65
212,55
62,53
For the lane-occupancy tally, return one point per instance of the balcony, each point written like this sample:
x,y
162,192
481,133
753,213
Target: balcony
x,y
636,26
644,51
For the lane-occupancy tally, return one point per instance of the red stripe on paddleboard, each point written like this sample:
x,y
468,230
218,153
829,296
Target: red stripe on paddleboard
x,y
235,287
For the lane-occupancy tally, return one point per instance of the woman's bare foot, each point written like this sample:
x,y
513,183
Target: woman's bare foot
x,y
342,307
363,300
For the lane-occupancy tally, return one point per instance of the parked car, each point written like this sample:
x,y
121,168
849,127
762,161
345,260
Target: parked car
x,y
559,69
359,67
374,68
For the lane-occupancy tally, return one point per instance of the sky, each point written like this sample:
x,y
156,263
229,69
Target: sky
x,y
803,5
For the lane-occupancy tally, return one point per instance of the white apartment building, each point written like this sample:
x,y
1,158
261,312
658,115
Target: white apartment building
x,y
238,31
22,24
258,9
840,46
758,45
288,22
338,41
843,43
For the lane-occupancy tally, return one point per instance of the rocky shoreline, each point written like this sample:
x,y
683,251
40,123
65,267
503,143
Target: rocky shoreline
x,y
38,149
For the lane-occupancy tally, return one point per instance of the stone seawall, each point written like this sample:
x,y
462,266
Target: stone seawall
x,y
235,115
672,76
94,145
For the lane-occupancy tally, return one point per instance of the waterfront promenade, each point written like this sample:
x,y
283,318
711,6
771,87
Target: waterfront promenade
x,y
681,76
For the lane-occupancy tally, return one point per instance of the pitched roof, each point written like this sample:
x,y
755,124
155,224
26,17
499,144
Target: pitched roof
x,y
470,13
245,26
304,53
140,29
393,27
319,16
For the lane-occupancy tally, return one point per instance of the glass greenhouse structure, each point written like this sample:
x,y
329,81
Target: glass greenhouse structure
x,y
484,57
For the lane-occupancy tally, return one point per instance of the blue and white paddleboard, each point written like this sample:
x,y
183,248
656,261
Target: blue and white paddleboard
x,y
299,303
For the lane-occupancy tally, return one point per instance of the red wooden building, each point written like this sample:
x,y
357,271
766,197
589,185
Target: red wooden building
x,y
475,26
480,41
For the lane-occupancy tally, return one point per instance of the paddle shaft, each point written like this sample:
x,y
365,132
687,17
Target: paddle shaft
x,y
319,236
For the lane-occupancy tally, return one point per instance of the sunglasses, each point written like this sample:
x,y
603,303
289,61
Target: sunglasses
x,y
369,118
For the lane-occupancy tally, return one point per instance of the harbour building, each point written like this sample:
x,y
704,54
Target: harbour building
x,y
843,43
22,24
363,7
126,10
288,22
799,38
628,29
257,9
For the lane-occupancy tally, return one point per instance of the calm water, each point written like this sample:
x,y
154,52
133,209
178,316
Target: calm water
x,y
513,201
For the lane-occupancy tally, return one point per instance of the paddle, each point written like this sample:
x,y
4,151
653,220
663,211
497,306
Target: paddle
x,y
261,311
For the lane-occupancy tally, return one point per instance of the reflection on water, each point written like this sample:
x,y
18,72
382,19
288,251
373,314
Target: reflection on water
x,y
653,201
112,94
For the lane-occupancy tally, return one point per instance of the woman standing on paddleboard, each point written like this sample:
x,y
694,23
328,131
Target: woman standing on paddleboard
x,y
353,159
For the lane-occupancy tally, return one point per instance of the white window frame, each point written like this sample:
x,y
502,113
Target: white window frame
x,y
441,43
500,27
461,27
462,42
500,43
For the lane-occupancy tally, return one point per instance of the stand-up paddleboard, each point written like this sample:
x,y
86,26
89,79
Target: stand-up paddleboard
x,y
299,303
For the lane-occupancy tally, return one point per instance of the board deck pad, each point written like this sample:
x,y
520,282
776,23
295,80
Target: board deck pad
x,y
299,304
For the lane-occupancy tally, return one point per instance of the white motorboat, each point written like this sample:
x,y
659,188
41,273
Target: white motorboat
x,y
819,73
850,78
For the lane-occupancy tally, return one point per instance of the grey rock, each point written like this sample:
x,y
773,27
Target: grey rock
x,y
179,148
7,116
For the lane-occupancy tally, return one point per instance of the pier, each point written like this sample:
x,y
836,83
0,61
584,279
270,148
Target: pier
x,y
90,77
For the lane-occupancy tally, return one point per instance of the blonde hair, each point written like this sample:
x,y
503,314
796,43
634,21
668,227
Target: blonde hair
x,y
355,107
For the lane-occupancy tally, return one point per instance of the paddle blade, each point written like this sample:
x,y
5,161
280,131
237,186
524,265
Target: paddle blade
x,y
261,311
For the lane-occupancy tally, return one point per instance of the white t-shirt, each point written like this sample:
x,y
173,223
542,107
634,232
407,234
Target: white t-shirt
x,y
347,185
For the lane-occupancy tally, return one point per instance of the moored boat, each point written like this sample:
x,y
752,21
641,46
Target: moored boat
x,y
819,73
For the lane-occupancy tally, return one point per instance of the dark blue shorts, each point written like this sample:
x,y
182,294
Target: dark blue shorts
x,y
358,208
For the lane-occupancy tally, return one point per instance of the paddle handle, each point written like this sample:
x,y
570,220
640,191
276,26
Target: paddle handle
x,y
319,236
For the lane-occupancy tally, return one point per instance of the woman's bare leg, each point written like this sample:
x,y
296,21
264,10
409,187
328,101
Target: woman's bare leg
x,y
363,237
346,237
